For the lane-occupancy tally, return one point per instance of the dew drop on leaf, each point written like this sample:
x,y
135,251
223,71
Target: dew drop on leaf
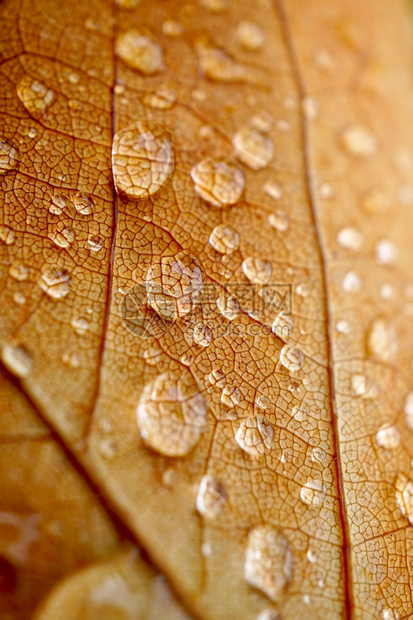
x,y
388,437
58,204
218,181
382,340
35,96
216,65
19,271
404,496
386,252
162,99
291,358
253,148
211,497
140,51
274,189
172,413
350,238
16,359
83,204
359,141
279,220
250,36
9,157
230,396
55,283
268,614
255,435
202,334
282,325
224,239
408,409
313,493
7,235
257,270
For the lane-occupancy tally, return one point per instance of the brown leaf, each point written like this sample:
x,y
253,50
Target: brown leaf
x,y
221,337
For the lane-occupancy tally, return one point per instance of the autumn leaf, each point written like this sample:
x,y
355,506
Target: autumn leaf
x,y
206,304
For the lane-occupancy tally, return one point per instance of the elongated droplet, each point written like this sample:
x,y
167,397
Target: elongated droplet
x,y
142,159
228,306
282,325
250,36
218,181
172,413
268,561
202,334
291,358
388,437
255,435
140,52
404,496
7,235
9,157
35,96
279,220
55,282
16,359
83,203
382,340
216,65
313,493
257,271
408,409
224,239
211,497
19,271
253,148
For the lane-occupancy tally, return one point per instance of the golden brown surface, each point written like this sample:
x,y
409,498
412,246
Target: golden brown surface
x,y
263,471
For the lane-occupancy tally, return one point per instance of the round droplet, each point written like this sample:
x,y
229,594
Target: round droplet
x,y
140,51
218,181
9,157
279,220
35,96
263,402
310,108
173,285
255,435
388,437
318,455
172,413
274,189
299,413
7,235
382,340
230,396
350,238
262,121
142,160
63,238
283,325
352,282
228,306
211,497
16,359
291,358
172,28
217,377
224,239
80,325
160,100
94,244
359,141
386,252
253,148
55,283
404,496
250,36
83,203
343,327
268,561
257,271
302,289
202,334
313,493
58,204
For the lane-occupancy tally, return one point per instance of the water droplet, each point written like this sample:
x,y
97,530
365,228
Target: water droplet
x,y
408,409
215,6
263,121
83,203
361,386
310,108
71,359
80,325
350,238
172,28
313,493
173,285
253,148
302,289
306,599
216,65
388,437
250,36
375,201
163,99
291,358
55,283
343,327
211,497
152,356
140,51
218,181
216,377
282,325
63,238
352,282
16,359
359,141
387,291
256,270
224,239
390,614
404,496
19,298
7,235
299,413
58,205
127,4
274,189
263,402
382,340
255,435
172,413
202,335
95,244
9,157
142,159
108,448
386,252
230,396
268,561
279,220
35,96
32,133
318,455
312,556
268,614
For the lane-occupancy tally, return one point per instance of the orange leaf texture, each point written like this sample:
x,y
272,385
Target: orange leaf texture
x,y
206,337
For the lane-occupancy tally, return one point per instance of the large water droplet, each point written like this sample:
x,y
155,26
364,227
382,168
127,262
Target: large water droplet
x,y
255,435
250,36
291,358
83,203
9,157
211,497
55,282
142,159
404,496
257,271
359,141
388,437
173,285
224,239
35,96
218,181
140,52
253,148
16,359
382,340
313,493
268,561
172,413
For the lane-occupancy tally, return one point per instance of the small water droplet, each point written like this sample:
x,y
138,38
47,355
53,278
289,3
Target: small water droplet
x,y
224,239
262,121
404,496
9,157
350,238
80,325
256,270
108,448
408,409
291,358
299,413
253,148
306,599
255,435
83,204
218,181
279,220
318,455
274,189
263,402
326,191
142,159
94,243
140,51
71,359
163,99
343,327
313,493
283,325
63,238
172,28
390,614
202,334
169,477
352,282
19,298
388,437
35,96
268,561
7,235
216,65
268,614
386,252
172,413
387,291
216,377
302,289
359,141
230,396
250,36
361,386
152,356
16,359
58,205
32,133
312,556
55,283
382,340
186,359
215,6
310,108
211,497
